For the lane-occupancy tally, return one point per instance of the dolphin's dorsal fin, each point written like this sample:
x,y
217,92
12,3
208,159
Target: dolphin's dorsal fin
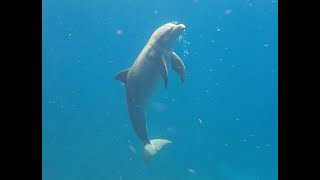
x,y
178,66
164,71
122,75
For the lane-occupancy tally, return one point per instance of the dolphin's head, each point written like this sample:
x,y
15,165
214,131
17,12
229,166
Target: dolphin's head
x,y
167,34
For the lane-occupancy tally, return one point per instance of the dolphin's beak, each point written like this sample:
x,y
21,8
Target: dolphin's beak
x,y
179,28
182,26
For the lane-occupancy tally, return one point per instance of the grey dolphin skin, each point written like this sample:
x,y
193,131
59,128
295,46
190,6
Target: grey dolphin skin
x,y
143,76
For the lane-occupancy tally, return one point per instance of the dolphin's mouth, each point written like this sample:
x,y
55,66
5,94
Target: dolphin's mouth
x,y
179,28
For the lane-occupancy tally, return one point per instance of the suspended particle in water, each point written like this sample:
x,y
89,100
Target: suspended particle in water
x,y
77,59
69,36
115,139
155,12
218,29
228,11
119,32
191,171
158,107
51,50
185,53
170,129
60,21
184,42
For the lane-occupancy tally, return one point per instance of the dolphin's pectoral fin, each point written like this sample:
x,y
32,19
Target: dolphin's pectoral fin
x,y
122,75
164,71
178,66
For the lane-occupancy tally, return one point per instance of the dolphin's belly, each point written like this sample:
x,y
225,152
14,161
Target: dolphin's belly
x,y
139,91
142,79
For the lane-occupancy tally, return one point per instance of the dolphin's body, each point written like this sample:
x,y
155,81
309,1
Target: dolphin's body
x,y
140,80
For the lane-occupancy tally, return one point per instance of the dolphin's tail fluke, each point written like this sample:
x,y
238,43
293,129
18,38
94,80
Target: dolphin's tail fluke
x,y
151,149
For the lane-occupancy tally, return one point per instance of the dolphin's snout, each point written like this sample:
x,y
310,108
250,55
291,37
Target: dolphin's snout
x,y
182,26
179,28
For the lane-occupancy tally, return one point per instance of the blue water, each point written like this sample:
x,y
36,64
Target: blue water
x,y
222,120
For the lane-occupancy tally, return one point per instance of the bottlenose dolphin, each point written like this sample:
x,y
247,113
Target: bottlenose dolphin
x,y
142,77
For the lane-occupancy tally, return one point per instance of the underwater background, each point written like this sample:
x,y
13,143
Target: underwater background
x,y
223,120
